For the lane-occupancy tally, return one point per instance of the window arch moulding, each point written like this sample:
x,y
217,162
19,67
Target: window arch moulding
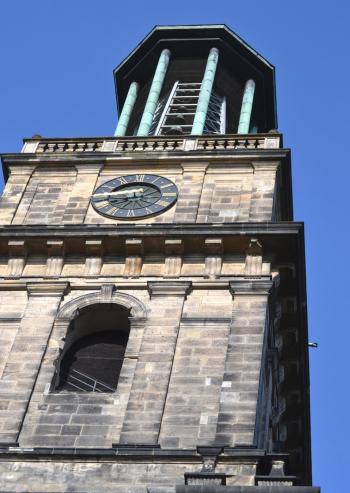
x,y
106,296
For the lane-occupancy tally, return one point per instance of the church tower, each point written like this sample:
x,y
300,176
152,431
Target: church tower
x,y
153,320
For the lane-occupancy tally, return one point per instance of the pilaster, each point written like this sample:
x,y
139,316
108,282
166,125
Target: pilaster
x,y
8,331
29,345
151,379
240,385
190,192
14,190
79,199
263,191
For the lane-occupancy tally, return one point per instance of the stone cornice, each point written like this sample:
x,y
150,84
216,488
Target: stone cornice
x,y
283,239
133,452
133,230
85,284
200,155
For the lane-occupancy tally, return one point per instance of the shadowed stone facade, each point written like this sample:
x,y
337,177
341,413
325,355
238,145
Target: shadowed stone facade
x,y
213,388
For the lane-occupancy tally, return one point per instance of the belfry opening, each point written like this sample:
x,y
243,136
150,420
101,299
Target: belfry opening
x,y
94,349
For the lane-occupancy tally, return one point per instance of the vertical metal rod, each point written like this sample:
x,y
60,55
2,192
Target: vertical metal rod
x,y
205,92
129,103
166,108
246,108
223,117
154,92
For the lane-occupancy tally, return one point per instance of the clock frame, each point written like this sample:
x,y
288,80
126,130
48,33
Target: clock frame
x,y
136,196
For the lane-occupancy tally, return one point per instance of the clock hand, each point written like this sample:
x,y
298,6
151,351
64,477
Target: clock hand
x,y
127,194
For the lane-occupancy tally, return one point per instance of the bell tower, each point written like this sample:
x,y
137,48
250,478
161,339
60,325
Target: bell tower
x,y
218,86
153,319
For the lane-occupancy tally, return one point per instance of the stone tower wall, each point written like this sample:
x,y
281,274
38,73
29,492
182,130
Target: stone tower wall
x,y
198,376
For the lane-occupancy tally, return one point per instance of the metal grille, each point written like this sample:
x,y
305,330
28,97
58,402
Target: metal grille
x,y
78,381
157,115
215,122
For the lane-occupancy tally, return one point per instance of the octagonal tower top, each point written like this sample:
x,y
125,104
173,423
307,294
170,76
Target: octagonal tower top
x,y
192,80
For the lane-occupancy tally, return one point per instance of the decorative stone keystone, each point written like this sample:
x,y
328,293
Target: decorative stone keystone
x,y
107,292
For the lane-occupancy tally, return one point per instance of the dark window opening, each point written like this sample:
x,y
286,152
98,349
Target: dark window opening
x,y
94,350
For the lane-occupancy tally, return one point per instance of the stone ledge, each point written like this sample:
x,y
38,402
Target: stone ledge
x,y
15,451
165,229
212,488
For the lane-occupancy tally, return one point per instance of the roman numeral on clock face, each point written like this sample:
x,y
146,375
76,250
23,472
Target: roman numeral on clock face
x,y
112,210
102,204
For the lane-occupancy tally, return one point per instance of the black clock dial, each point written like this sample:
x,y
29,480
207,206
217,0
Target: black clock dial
x,y
134,196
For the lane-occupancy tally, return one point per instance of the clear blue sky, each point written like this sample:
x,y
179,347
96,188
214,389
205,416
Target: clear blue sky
x,y
57,59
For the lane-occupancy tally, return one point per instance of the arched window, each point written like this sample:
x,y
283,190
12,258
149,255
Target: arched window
x,y
94,349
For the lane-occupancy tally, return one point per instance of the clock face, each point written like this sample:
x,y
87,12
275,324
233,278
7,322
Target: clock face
x,y
134,196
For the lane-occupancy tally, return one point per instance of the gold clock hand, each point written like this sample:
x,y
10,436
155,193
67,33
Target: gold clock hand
x,y
121,193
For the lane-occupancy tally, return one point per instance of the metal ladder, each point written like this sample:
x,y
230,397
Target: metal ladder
x,y
177,114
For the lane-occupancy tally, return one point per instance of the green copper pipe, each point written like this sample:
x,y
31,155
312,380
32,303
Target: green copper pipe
x,y
124,118
154,92
205,92
246,109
